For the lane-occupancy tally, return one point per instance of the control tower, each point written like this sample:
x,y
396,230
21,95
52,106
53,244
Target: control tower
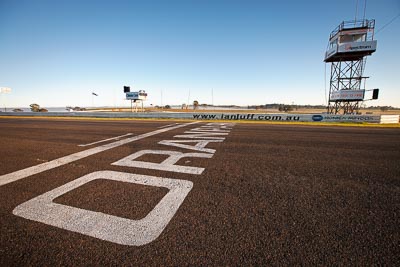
x,y
349,45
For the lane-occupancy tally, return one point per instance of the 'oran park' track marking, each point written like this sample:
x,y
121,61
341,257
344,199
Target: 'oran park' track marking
x,y
104,226
17,175
118,229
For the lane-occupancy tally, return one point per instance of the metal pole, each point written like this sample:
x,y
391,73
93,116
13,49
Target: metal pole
x,y
114,98
365,8
4,91
188,98
5,110
355,18
212,97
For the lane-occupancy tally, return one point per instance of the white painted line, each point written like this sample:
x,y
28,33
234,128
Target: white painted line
x,y
168,125
104,226
17,175
105,140
214,129
201,135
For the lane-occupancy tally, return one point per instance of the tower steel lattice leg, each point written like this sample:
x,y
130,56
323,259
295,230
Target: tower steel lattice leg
x,y
345,75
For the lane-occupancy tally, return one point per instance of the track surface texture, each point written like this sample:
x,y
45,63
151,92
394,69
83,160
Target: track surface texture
x,y
268,195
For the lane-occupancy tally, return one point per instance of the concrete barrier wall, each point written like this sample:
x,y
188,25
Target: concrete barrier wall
x,y
288,117
220,116
390,118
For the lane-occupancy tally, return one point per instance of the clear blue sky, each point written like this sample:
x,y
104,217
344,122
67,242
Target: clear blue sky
x,y
55,53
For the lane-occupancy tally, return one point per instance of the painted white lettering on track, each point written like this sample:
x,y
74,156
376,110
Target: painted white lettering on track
x,y
104,226
201,135
113,228
214,129
167,165
200,144
17,175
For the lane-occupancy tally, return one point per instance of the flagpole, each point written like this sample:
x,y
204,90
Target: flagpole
x,y
93,95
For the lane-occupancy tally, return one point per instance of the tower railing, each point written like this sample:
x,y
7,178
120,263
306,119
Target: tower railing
x,y
356,24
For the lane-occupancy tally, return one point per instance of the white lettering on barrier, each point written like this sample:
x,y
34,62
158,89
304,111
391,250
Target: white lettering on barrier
x,y
200,144
167,165
104,226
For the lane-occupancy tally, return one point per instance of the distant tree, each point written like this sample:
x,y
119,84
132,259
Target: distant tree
x,y
35,107
17,110
259,107
167,107
285,108
195,104
184,106
384,108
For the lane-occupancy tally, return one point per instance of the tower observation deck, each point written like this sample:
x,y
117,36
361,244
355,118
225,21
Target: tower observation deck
x,y
349,45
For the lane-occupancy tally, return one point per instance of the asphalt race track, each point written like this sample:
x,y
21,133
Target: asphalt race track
x,y
94,192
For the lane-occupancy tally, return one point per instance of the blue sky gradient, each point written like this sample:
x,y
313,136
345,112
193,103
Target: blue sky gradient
x,y
55,53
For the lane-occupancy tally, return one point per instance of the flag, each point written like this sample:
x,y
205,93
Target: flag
x,y
94,94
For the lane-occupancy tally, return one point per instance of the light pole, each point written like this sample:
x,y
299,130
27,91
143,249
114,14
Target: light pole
x,y
5,90
212,98
93,94
188,99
